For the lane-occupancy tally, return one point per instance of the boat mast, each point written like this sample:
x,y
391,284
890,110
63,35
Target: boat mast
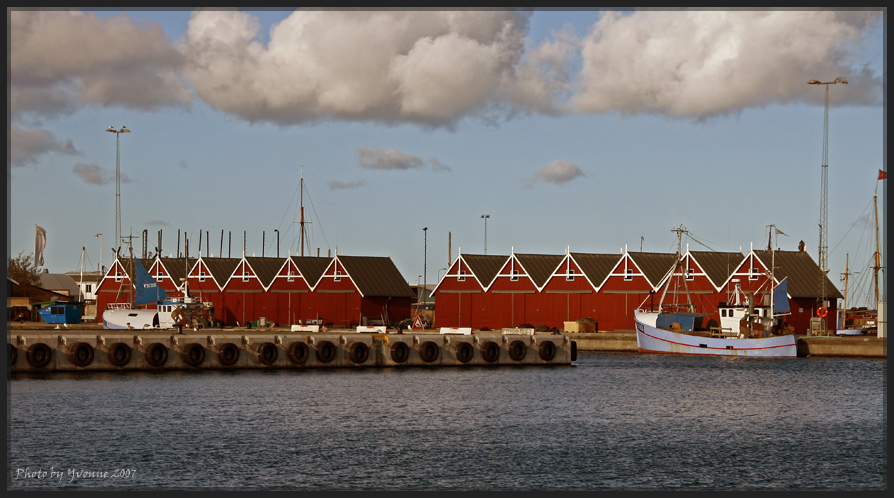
x,y
680,231
133,281
81,282
877,266
772,276
303,230
846,274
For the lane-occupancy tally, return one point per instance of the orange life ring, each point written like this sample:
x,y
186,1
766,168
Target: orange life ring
x,y
822,312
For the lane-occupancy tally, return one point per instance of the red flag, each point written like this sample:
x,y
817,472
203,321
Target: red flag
x,y
882,174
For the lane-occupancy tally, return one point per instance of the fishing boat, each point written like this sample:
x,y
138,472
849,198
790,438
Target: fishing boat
x,y
167,313
748,330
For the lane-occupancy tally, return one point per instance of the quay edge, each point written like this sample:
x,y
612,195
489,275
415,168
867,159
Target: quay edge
x,y
808,346
99,350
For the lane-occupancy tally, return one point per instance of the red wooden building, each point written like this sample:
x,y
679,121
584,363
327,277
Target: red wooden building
x,y
505,291
340,291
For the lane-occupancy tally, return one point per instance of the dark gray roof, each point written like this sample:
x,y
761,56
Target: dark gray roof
x,y
221,268
596,266
59,282
484,267
311,267
176,267
654,265
376,276
804,275
718,265
539,266
265,268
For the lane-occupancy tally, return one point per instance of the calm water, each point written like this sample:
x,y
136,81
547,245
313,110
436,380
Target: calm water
x,y
612,421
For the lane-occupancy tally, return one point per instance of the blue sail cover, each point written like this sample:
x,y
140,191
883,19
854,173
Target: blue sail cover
x,y
147,289
780,297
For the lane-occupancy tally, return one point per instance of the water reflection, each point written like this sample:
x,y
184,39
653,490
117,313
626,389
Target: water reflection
x,y
612,421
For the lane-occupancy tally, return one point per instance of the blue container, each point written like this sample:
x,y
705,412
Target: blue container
x,y
61,313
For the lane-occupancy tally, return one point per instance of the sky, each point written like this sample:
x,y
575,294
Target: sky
x,y
588,130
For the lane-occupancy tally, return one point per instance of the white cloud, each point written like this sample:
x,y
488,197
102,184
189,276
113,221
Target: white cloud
x,y
62,60
559,171
338,184
436,68
26,146
703,63
427,67
375,158
95,175
437,165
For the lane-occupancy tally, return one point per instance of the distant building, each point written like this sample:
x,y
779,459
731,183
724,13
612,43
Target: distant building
x,y
60,283
88,282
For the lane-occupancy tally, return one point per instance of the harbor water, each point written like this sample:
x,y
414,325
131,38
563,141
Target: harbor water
x,y
612,421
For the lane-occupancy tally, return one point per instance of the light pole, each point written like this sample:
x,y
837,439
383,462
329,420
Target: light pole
x,y
824,194
277,242
425,266
111,129
100,253
485,217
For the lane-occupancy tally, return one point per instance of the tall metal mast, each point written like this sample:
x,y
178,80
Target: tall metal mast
x,y
824,194
111,129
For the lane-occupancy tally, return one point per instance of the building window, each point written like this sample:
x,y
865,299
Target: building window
x,y
88,288
291,276
462,276
754,274
690,274
570,276
244,275
338,275
628,275
514,275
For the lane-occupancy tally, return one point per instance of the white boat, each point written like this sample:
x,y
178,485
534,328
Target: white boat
x,y
168,313
747,331
654,339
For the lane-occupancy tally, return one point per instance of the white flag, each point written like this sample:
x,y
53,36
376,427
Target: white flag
x,y
40,243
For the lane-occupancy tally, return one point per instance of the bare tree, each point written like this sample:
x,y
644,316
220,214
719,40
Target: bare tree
x,y
22,269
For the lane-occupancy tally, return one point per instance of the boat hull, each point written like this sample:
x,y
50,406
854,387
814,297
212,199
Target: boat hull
x,y
130,319
650,339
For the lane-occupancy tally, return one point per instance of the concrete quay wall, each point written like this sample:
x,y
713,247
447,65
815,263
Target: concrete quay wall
x,y
814,346
847,346
605,341
108,350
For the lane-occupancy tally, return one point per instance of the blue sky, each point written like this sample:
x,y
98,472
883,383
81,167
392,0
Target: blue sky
x,y
589,129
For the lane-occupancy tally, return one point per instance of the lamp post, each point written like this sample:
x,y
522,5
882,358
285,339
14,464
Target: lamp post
x,y
111,129
425,266
824,194
485,217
